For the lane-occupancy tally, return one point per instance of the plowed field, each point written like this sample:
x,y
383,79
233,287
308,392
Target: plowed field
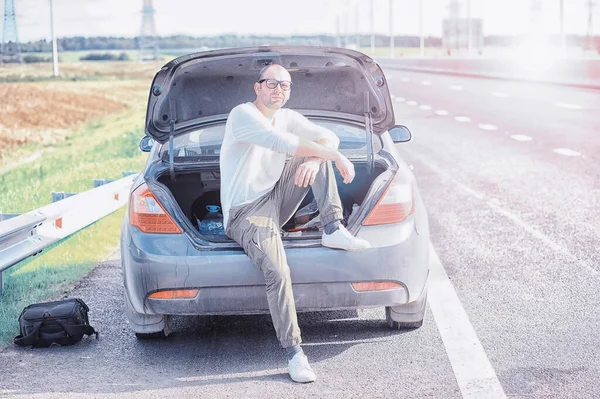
x,y
45,111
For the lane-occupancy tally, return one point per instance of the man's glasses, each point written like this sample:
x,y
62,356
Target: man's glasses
x,y
272,83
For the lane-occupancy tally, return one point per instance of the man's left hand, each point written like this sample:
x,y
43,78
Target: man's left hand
x,y
307,172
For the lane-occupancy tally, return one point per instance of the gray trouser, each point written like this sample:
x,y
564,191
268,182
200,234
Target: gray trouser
x,y
256,227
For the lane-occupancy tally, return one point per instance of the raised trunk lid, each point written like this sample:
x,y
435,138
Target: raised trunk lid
x,y
201,87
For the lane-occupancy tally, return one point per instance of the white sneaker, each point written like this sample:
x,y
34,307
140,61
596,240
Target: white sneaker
x,y
300,370
342,239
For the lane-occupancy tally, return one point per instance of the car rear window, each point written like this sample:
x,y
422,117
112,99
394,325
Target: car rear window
x,y
204,144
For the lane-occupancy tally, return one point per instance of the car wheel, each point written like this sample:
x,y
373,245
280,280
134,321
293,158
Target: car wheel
x,y
407,316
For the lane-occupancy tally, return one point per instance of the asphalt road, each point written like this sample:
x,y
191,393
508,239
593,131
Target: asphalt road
x,y
513,304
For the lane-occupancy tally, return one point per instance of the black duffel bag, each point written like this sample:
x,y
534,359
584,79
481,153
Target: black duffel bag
x,y
61,322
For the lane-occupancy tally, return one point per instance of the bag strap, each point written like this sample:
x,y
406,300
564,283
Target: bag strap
x,y
73,330
31,338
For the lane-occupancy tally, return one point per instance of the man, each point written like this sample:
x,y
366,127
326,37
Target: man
x,y
260,192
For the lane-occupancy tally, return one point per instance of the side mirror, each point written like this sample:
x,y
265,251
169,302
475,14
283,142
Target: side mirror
x,y
400,134
146,144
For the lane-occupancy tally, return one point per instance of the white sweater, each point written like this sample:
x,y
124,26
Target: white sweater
x,y
254,151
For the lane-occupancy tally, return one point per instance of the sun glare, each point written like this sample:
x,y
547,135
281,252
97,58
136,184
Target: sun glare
x,y
536,53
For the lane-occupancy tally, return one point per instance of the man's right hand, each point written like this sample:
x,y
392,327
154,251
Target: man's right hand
x,y
345,167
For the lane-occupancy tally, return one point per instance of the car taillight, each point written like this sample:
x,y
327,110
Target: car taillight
x,y
394,206
146,213
174,294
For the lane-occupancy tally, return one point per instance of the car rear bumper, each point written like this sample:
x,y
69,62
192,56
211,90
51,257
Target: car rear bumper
x,y
252,299
229,283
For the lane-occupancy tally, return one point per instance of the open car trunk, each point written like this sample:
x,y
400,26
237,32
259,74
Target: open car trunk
x,y
193,190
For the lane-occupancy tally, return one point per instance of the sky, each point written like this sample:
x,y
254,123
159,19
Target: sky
x,y
286,17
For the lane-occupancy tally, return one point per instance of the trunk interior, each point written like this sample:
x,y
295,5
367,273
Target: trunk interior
x,y
194,190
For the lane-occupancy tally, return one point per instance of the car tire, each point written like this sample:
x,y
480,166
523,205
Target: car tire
x,y
155,335
407,316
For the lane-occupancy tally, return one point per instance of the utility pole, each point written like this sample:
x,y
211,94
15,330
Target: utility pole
x,y
563,42
589,41
54,45
391,29
372,27
455,23
346,27
421,38
469,29
338,38
357,27
535,18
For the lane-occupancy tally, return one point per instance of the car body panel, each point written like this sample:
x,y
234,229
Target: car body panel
x,y
154,262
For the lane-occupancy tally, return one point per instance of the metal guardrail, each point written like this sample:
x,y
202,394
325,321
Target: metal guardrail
x,y
28,234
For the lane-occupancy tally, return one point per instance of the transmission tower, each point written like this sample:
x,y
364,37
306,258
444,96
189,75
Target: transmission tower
x,y
148,44
10,49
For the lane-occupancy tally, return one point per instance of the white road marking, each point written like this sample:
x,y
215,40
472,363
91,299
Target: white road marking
x,y
567,152
539,235
389,77
405,79
462,119
485,126
498,94
400,99
426,83
425,107
569,106
456,88
520,137
441,112
392,96
474,373
494,204
412,103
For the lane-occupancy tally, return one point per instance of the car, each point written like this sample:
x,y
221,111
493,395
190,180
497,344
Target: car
x,y
170,268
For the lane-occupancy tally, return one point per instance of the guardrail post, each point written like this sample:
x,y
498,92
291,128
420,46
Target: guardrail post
x,y
60,195
128,173
101,182
6,216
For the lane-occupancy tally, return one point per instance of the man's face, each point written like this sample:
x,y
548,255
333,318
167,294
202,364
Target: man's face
x,y
277,97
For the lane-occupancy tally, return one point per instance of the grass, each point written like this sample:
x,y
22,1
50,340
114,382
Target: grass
x,y
54,272
97,153
74,56
102,148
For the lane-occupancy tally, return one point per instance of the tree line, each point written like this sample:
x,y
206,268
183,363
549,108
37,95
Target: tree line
x,y
80,43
